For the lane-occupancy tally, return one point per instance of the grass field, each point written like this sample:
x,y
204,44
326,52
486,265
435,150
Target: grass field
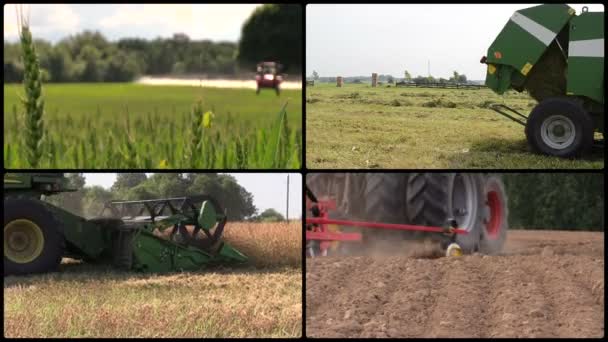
x,y
357,126
139,126
262,299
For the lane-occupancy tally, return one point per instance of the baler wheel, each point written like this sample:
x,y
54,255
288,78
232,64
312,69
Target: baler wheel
x,y
560,127
32,241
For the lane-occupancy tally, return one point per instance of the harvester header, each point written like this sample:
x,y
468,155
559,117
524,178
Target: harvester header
x,y
159,235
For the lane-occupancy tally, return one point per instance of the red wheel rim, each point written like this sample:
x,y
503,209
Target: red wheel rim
x,y
496,214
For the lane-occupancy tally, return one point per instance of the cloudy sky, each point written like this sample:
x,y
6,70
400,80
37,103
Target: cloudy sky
x,y
269,190
353,40
56,21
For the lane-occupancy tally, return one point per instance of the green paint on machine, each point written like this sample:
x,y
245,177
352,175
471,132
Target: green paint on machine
x,y
557,56
176,234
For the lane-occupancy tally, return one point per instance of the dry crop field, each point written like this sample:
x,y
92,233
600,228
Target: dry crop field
x,y
261,299
357,126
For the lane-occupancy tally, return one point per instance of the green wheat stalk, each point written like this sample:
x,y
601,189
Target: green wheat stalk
x,y
196,133
33,101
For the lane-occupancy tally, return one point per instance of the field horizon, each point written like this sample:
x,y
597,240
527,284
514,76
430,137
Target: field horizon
x,y
357,126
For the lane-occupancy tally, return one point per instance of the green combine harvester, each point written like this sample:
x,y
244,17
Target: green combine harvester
x,y
164,235
558,57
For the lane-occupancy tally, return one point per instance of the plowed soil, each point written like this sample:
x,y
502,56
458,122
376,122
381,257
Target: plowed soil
x,y
544,284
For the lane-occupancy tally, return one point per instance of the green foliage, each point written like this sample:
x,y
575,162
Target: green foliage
x,y
407,76
126,181
273,33
71,201
458,78
269,215
135,126
89,201
89,57
572,201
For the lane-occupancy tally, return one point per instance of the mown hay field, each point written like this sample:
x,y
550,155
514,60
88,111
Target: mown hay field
x,y
261,299
125,125
357,126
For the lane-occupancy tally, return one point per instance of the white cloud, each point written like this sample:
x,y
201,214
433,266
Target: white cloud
x,y
46,18
10,22
197,21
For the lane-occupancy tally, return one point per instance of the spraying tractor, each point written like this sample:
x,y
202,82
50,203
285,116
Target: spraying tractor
x,y
161,235
558,57
349,213
268,76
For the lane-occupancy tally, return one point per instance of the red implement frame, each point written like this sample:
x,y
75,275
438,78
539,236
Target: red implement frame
x,y
316,227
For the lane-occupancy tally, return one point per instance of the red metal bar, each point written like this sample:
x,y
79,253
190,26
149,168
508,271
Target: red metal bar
x,y
319,220
328,236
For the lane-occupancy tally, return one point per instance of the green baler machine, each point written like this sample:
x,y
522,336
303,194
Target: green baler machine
x,y
161,235
558,57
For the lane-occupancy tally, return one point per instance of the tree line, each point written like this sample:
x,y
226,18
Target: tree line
x,y
570,201
89,201
455,78
90,57
273,32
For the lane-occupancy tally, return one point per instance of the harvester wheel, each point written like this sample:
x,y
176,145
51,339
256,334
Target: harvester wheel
x,y
433,198
495,221
32,240
560,127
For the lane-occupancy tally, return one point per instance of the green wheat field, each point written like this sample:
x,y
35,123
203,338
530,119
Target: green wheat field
x,y
125,126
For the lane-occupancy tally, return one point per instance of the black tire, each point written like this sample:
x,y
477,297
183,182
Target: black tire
x,y
430,199
34,211
563,113
383,196
496,218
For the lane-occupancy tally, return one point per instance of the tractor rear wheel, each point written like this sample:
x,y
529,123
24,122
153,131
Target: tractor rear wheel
x,y
495,221
383,203
560,127
433,198
32,240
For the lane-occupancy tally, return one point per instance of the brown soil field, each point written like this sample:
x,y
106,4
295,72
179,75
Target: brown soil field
x,y
544,284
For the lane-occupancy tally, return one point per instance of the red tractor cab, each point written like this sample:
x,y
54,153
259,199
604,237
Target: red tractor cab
x,y
268,76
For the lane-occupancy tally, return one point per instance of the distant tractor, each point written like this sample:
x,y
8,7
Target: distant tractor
x,y
268,75
558,57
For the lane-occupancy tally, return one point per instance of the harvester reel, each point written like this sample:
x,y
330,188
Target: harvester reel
x,y
184,218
